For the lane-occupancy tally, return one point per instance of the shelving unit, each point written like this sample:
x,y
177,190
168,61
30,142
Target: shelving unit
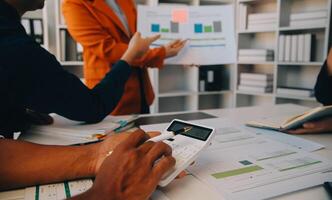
x,y
291,74
65,43
177,87
42,15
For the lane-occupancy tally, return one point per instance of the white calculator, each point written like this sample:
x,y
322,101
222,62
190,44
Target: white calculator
x,y
186,146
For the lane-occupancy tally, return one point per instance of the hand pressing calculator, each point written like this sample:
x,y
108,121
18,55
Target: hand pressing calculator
x,y
186,146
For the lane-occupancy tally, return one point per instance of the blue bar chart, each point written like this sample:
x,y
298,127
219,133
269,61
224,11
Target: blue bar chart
x,y
173,28
216,27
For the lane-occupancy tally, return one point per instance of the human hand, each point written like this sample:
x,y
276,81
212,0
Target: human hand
x,y
321,126
110,143
138,46
174,47
131,171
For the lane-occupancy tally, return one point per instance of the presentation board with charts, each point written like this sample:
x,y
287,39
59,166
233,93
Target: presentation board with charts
x,y
208,29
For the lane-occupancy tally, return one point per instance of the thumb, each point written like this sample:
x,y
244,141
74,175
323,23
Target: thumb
x,y
137,35
153,38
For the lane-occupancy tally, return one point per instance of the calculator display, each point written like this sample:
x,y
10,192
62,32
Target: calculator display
x,y
197,132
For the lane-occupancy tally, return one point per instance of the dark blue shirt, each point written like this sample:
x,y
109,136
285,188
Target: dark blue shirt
x,y
323,86
32,78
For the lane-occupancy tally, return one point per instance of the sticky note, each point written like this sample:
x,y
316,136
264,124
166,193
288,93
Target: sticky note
x,y
180,15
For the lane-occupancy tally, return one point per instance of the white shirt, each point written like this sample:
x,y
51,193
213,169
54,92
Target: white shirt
x,y
117,10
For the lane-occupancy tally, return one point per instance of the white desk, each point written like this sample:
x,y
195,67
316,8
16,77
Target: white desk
x,y
191,188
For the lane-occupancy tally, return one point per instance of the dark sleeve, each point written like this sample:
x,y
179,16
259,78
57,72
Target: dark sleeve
x,y
323,91
48,88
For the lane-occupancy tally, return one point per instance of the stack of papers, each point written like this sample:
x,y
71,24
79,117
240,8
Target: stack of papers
x,y
256,55
67,132
309,19
246,163
255,82
262,21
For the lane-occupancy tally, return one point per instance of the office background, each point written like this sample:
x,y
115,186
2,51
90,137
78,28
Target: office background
x,y
268,35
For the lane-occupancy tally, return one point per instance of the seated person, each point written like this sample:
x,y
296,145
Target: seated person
x,y
323,93
129,172
31,79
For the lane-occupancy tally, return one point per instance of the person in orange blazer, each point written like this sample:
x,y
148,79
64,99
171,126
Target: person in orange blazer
x,y
95,25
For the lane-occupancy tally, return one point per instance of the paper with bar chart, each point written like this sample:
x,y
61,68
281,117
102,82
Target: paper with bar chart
x,y
208,29
244,165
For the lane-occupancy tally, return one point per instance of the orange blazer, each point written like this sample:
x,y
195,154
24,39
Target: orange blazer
x,y
94,25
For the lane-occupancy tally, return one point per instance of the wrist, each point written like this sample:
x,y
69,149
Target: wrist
x,y
92,158
166,52
128,57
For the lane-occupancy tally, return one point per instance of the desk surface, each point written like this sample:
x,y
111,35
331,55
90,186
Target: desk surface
x,y
190,188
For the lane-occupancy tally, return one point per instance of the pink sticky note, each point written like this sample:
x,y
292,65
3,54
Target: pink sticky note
x,y
180,15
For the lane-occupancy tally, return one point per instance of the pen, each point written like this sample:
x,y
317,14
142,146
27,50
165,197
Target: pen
x,y
86,143
169,134
328,188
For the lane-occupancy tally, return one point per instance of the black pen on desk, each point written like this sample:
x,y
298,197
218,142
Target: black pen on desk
x,y
328,188
170,134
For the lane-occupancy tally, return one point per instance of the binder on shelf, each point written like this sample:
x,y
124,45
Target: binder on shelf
x,y
295,91
243,9
245,88
34,28
71,54
294,45
309,19
63,34
257,83
38,30
257,76
256,55
259,27
287,48
262,16
308,47
300,48
69,49
262,21
255,58
309,23
297,47
309,15
26,24
281,48
210,78
256,52
79,51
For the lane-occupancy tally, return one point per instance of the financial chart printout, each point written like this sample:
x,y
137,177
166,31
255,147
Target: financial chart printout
x,y
209,31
